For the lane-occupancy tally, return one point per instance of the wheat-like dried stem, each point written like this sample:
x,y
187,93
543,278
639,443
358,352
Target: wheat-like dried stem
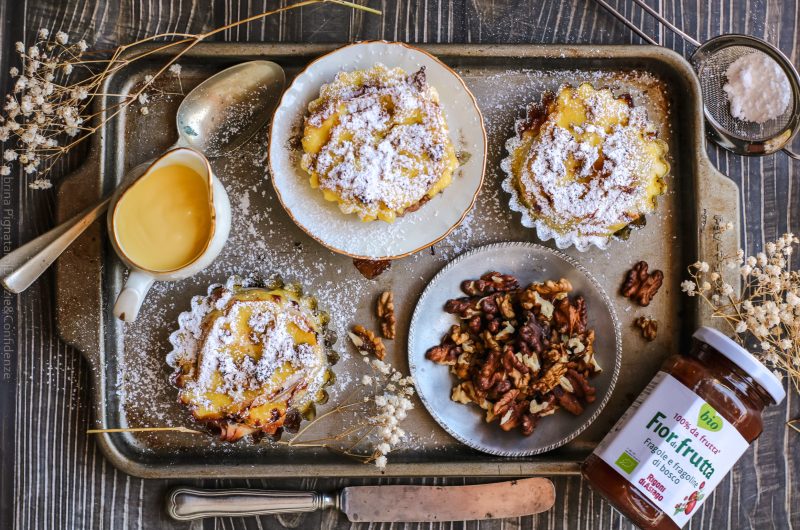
x,y
144,429
120,58
337,410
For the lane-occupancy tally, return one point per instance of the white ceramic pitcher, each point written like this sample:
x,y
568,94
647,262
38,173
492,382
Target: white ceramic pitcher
x,y
140,279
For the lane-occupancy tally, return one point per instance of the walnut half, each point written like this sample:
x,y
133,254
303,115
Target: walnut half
x,y
366,342
640,285
371,269
648,326
385,313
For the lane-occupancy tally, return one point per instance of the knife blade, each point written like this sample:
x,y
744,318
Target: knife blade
x,y
403,504
513,498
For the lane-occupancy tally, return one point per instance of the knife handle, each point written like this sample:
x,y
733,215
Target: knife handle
x,y
191,503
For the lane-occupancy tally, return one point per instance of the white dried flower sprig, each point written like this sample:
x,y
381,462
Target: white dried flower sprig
x,y
48,111
767,312
391,398
373,422
42,106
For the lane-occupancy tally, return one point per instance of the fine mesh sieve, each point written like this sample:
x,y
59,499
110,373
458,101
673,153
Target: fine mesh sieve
x,y
711,61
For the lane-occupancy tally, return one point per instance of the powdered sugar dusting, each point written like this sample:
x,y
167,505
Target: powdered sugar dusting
x,y
612,172
757,88
268,322
388,146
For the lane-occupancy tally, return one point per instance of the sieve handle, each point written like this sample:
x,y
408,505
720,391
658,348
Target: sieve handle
x,y
633,27
672,27
791,153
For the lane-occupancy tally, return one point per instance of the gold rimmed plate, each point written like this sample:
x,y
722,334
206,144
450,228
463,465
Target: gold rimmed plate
x,y
323,220
529,263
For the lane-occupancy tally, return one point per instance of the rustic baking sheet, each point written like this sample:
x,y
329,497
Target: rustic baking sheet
x,y
130,377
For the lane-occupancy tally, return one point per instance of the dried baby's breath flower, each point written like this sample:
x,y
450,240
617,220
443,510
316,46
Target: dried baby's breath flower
x,y
689,287
377,417
49,109
393,406
766,315
701,266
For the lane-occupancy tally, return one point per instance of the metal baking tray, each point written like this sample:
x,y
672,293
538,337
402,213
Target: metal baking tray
x,y
130,384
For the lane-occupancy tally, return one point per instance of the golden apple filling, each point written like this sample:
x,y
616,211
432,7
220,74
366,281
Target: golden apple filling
x,y
586,164
251,359
376,142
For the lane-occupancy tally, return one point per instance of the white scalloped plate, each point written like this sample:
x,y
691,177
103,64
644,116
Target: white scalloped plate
x,y
345,233
528,262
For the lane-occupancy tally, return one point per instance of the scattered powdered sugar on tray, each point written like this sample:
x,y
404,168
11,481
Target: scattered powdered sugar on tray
x,y
265,242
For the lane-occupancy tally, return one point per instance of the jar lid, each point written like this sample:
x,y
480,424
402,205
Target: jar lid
x,y
744,360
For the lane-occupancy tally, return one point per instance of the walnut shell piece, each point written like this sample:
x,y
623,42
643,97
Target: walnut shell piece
x,y
385,313
490,283
641,285
550,289
366,342
648,327
371,269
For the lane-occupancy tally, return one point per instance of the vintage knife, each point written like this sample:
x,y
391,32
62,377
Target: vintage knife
x,y
374,503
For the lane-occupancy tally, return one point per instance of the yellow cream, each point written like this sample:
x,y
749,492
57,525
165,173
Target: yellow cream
x,y
590,116
414,119
164,221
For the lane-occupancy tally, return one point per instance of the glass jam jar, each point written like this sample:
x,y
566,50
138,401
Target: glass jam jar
x,y
684,432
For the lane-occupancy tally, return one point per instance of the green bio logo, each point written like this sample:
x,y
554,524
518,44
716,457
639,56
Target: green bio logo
x,y
626,462
708,418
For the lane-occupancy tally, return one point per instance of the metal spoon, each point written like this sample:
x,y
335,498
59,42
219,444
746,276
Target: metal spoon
x,y
215,118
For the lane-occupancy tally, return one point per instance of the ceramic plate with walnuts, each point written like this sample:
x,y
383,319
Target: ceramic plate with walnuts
x,y
514,348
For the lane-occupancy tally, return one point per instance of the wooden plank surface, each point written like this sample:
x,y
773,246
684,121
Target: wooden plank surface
x,y
53,475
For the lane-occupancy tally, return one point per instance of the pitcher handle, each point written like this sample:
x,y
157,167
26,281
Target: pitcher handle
x,y
130,299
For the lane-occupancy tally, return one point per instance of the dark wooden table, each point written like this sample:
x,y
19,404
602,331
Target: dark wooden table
x,y
52,473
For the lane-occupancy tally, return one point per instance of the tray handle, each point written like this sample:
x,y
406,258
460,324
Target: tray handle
x,y
716,193
79,300
185,503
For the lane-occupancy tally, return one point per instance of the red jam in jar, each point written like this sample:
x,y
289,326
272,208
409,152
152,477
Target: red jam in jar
x,y
684,433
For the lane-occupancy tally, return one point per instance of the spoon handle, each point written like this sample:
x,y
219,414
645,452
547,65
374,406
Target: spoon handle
x,y
21,267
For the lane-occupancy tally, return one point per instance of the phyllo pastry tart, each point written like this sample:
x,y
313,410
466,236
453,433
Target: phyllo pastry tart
x,y
251,358
584,166
376,142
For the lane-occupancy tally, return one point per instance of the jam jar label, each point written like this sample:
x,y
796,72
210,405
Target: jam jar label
x,y
673,447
